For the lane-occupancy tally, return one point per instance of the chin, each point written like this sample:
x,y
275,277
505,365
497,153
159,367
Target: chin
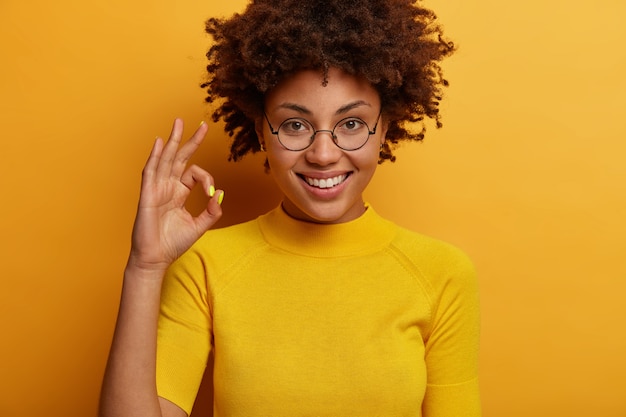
x,y
325,213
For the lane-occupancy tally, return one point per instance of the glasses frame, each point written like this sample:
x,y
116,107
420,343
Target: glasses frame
x,y
315,131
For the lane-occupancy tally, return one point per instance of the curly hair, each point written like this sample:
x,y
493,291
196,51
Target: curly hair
x,y
394,44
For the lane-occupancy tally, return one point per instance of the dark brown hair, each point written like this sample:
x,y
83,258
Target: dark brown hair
x,y
395,44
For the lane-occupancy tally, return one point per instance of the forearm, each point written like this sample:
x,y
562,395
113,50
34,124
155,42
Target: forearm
x,y
129,386
163,230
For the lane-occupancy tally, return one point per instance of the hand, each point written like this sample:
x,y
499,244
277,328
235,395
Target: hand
x,y
164,229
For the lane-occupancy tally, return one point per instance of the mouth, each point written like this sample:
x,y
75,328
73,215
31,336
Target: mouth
x,y
325,183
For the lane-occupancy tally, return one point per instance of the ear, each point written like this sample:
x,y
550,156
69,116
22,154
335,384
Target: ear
x,y
383,130
258,128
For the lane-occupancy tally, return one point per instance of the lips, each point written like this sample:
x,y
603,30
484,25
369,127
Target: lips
x,y
324,183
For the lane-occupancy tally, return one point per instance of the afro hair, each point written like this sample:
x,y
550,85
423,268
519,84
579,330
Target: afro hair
x,y
396,45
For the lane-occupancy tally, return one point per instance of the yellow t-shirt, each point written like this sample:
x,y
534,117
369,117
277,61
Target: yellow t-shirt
x,y
356,319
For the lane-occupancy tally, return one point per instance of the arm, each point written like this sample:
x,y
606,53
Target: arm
x,y
452,347
163,230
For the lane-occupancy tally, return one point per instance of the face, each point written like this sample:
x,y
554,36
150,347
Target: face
x,y
322,183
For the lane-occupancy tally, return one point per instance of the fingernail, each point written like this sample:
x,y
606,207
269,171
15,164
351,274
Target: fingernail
x,y
220,198
202,122
211,191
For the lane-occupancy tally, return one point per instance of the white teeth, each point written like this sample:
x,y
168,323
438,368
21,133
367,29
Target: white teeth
x,y
326,182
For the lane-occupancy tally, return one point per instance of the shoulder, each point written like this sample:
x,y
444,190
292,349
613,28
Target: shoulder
x,y
427,250
219,248
438,264
237,236
449,279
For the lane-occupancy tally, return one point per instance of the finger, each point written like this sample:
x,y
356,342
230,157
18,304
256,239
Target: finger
x,y
195,175
153,160
170,149
188,149
205,220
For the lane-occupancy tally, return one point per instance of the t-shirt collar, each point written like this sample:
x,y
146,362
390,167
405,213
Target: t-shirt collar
x,y
366,234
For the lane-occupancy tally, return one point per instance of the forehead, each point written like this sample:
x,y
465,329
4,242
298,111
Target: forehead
x,y
308,90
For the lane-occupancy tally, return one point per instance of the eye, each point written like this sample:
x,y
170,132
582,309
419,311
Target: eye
x,y
351,126
295,127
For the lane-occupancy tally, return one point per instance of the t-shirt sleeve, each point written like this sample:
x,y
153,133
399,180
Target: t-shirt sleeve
x,y
184,331
453,341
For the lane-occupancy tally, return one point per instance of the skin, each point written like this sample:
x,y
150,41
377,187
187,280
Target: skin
x,y
164,229
303,95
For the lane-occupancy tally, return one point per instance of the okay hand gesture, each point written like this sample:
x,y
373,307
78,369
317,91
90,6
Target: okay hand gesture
x,y
164,229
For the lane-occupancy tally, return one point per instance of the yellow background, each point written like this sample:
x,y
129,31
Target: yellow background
x,y
527,176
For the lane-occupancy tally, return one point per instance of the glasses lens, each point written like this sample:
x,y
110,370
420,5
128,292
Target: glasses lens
x,y
351,133
296,134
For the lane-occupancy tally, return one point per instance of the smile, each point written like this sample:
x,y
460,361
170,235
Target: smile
x,y
325,182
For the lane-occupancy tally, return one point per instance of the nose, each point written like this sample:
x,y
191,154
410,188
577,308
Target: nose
x,y
323,150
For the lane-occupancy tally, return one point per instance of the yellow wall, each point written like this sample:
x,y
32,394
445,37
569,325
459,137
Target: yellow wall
x,y
528,176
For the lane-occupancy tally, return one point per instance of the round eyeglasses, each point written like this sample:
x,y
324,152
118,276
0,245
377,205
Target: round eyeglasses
x,y
297,134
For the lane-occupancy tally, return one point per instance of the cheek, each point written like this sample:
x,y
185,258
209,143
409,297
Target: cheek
x,y
369,159
281,160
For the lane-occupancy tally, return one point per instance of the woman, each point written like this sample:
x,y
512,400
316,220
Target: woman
x,y
319,307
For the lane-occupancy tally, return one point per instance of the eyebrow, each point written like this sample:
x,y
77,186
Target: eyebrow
x,y
341,110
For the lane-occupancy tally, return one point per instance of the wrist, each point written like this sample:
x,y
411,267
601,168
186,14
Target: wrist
x,y
143,270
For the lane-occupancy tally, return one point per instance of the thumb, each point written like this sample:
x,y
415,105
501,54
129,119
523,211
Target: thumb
x,y
205,220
